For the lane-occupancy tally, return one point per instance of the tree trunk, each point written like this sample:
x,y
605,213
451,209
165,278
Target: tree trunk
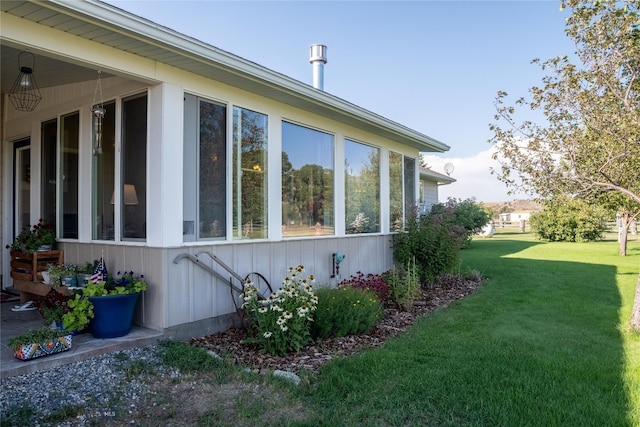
x,y
635,314
622,239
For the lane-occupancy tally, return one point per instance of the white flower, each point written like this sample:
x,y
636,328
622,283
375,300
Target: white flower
x,y
267,334
284,328
263,310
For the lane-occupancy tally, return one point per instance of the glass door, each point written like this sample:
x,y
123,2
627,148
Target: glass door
x,y
21,185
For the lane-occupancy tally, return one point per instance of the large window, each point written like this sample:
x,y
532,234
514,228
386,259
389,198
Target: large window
x,y
59,174
205,187
133,183
409,185
104,163
307,181
49,171
362,188
69,142
402,184
396,200
249,174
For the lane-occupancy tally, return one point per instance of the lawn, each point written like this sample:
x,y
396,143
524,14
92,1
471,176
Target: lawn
x,y
544,343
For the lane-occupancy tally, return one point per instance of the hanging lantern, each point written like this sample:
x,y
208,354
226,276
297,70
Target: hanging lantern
x,y
24,94
98,111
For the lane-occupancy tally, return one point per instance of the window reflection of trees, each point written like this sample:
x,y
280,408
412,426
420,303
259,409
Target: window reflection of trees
x,y
212,183
307,192
362,186
250,181
395,191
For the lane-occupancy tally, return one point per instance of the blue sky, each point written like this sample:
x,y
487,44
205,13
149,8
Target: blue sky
x,y
434,66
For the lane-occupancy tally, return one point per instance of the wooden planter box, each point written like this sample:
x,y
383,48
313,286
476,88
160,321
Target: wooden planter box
x,y
45,348
26,271
28,267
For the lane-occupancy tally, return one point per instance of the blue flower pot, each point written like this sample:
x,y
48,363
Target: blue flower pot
x,y
113,315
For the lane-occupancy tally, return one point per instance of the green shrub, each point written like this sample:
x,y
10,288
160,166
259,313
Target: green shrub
x,y
432,241
281,323
404,285
571,220
373,282
466,213
345,311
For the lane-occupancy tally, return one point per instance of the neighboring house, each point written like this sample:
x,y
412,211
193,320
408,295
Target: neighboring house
x,y
199,152
430,180
515,216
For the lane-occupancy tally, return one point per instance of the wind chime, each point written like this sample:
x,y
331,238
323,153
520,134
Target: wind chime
x,y
98,111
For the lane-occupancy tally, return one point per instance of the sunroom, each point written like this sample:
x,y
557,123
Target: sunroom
x,y
175,159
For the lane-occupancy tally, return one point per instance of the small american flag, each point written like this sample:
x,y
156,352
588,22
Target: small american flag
x,y
99,273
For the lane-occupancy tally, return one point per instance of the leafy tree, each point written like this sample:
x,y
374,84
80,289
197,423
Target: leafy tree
x,y
590,144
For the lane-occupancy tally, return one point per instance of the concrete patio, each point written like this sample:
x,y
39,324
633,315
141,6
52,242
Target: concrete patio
x,y
84,345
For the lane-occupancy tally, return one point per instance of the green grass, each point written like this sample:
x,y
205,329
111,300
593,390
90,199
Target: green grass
x,y
544,343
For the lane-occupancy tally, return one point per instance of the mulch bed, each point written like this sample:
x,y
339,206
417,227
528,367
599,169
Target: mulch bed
x,y
395,321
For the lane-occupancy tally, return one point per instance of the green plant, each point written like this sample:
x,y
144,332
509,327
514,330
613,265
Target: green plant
x,y
79,314
56,271
123,283
373,282
466,213
404,284
434,241
88,267
345,311
571,220
31,239
53,307
281,323
35,336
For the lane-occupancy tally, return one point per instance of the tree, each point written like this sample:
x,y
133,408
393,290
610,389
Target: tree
x,y
590,144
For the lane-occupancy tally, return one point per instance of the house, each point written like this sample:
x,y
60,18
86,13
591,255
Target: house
x,y
430,180
189,164
515,216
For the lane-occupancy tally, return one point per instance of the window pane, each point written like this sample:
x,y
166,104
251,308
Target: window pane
x,y
49,137
133,190
249,174
395,191
69,132
213,179
104,178
307,181
362,188
409,184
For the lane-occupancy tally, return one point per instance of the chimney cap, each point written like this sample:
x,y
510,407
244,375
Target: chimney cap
x,y
318,52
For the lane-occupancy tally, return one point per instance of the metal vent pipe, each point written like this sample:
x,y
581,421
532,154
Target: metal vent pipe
x,y
318,57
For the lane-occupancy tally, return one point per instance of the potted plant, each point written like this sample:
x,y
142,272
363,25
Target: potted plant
x,y
62,274
52,308
85,272
112,302
78,315
40,342
40,237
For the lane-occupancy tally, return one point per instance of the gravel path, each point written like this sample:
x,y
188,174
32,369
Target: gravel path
x,y
101,383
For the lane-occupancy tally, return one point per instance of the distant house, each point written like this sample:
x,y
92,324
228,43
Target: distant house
x,y
430,181
163,152
515,216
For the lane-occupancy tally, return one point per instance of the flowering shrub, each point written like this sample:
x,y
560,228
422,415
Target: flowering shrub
x,y
373,282
281,322
53,307
345,311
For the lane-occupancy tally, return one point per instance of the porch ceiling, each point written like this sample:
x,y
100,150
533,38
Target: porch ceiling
x,y
108,25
